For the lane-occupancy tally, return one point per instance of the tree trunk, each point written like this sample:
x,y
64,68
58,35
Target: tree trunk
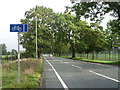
x,y
119,54
96,55
105,55
73,50
59,53
73,53
93,57
87,55
109,55
39,54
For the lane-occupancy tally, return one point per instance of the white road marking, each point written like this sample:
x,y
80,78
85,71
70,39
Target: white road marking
x,y
58,76
103,76
77,66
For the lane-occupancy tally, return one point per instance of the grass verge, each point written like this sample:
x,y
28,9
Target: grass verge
x,y
94,61
31,70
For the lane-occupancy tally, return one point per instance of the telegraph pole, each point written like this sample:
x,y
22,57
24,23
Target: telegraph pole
x,y
36,40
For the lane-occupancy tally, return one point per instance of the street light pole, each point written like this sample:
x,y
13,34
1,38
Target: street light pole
x,y
36,40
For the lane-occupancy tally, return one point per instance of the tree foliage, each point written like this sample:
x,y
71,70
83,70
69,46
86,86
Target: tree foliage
x,y
95,10
14,52
64,33
112,37
44,20
4,49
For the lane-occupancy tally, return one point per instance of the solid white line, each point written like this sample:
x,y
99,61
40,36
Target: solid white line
x,y
104,76
58,76
77,66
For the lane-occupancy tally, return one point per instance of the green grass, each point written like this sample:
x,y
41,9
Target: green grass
x,y
94,61
31,71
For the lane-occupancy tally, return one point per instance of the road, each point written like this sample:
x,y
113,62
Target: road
x,y
72,74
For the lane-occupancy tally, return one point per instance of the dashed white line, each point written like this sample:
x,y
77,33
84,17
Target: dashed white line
x,y
77,66
103,76
58,76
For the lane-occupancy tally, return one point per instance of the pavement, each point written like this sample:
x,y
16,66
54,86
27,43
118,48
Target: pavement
x,y
60,73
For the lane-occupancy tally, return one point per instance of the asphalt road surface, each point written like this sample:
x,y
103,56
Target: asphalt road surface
x,y
72,74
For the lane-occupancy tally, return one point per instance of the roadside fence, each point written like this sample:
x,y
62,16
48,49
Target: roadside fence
x,y
103,55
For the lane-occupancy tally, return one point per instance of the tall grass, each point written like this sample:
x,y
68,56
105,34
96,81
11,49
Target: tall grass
x,y
31,70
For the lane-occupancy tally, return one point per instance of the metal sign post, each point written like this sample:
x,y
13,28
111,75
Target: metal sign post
x,y
18,28
18,58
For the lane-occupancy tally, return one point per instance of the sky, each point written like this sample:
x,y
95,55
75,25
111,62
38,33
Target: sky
x,y
11,11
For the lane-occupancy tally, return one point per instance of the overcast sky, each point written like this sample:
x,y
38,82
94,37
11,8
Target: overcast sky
x,y
11,11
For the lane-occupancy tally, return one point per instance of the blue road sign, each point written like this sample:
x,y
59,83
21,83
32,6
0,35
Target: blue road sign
x,y
18,28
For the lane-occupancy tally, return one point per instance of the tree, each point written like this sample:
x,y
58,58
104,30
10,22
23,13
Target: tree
x,y
112,37
62,28
79,35
13,52
91,37
60,33
113,26
96,11
44,21
4,49
8,53
95,41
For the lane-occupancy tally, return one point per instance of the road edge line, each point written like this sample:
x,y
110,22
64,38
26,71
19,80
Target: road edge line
x,y
58,76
